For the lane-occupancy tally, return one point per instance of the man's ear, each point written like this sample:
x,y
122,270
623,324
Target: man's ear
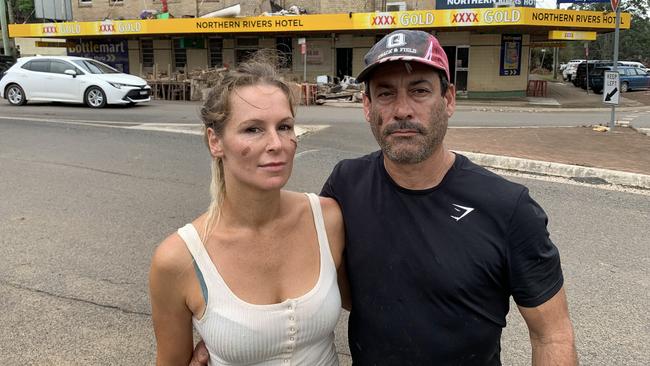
x,y
450,100
215,143
366,107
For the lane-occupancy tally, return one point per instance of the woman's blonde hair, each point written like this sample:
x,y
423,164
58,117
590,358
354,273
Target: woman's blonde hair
x,y
260,68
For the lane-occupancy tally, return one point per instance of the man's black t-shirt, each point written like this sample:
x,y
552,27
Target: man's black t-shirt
x,y
431,271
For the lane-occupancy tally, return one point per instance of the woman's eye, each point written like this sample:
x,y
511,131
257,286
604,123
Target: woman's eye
x,y
253,130
286,127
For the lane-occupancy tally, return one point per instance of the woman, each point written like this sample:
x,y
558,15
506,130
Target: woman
x,y
256,273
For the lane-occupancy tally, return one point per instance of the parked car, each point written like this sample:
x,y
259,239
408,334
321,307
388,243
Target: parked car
x,y
569,71
633,64
71,79
630,78
581,71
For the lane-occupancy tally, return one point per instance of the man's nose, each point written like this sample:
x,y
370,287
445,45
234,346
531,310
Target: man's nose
x,y
403,109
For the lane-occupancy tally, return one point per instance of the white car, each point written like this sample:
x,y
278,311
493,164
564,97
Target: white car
x,y
71,79
569,71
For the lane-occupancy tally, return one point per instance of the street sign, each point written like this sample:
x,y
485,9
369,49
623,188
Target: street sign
x,y
611,87
614,4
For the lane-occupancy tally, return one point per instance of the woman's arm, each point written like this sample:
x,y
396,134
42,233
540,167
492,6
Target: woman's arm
x,y
172,319
335,228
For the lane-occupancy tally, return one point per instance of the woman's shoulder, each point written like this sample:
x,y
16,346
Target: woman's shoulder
x,y
300,202
171,255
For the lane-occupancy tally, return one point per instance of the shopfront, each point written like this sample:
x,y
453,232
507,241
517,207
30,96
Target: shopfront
x,y
488,48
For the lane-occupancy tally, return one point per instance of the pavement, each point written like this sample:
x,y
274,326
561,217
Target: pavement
x,y
620,156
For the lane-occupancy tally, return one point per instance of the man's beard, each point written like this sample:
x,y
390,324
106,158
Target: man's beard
x,y
412,149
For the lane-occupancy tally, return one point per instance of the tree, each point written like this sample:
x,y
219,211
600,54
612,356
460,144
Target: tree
x,y
634,43
22,10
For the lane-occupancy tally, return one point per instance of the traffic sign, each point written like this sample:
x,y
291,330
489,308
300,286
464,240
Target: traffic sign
x,y
611,87
614,4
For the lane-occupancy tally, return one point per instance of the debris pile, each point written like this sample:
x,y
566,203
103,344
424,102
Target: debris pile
x,y
347,90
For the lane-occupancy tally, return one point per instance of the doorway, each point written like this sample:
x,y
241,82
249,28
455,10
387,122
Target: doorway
x,y
458,58
343,62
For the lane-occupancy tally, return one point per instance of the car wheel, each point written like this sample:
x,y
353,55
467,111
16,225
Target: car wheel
x,y
625,87
15,95
95,97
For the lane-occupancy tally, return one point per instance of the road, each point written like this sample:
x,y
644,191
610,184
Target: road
x,y
466,116
83,206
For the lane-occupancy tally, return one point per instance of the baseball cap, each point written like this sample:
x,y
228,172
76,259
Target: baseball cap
x,y
406,45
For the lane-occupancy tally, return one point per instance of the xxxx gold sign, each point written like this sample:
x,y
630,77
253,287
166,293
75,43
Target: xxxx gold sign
x,y
483,17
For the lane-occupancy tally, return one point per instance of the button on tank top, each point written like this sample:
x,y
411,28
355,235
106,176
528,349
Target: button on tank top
x,y
296,331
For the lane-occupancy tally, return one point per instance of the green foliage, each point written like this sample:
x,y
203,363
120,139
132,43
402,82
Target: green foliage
x,y
634,43
22,10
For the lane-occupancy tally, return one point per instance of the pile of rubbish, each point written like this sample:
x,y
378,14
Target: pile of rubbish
x,y
278,10
333,90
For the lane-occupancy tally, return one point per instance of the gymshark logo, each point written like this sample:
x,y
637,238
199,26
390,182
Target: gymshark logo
x,y
464,211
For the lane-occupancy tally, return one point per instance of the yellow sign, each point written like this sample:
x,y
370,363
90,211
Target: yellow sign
x,y
51,44
454,18
575,19
572,35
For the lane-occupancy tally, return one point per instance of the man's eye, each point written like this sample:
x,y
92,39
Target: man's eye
x,y
421,91
384,94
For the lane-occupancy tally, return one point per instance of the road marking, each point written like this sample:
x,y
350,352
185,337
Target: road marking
x,y
305,152
185,128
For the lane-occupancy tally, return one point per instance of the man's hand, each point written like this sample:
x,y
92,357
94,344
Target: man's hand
x,y
200,356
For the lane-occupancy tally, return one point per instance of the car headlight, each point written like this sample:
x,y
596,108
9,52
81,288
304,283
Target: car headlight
x,y
120,85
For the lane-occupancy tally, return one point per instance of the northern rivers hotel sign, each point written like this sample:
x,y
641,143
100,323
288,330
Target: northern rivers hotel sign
x,y
447,18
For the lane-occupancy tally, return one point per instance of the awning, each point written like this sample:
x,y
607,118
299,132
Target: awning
x,y
530,20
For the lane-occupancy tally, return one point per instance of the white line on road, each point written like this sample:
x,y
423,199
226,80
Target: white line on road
x,y
186,128
305,153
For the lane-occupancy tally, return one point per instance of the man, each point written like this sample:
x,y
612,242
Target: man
x,y
436,245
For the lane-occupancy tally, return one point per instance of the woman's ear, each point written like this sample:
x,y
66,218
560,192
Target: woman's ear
x,y
215,143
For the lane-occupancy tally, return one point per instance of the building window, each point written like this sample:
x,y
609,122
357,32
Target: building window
x,y
216,52
113,2
180,54
146,47
243,55
245,47
396,6
85,2
284,46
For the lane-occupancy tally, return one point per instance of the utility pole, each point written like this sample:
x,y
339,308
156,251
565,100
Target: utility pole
x,y
556,53
618,25
5,29
10,12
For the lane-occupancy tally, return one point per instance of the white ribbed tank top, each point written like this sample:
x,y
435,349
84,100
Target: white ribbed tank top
x,y
296,331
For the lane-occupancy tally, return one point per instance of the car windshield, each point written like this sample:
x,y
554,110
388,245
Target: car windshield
x,y
95,67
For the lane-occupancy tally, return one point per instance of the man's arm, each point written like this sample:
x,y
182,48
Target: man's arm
x,y
200,356
551,332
